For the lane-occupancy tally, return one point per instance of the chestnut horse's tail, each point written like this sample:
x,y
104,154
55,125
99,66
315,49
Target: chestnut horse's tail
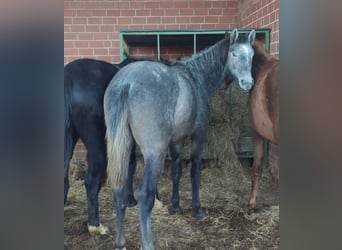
x,y
118,134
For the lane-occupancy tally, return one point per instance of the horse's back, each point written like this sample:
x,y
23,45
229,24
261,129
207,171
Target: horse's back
x,y
85,81
264,102
159,99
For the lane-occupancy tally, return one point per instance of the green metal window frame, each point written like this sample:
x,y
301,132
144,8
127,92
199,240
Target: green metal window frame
x,y
195,33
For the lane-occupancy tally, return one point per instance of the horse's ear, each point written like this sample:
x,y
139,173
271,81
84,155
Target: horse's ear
x,y
226,35
234,36
251,37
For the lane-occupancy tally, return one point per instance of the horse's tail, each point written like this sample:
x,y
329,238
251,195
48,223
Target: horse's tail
x,y
118,134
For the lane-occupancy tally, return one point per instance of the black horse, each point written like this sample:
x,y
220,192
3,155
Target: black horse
x,y
85,82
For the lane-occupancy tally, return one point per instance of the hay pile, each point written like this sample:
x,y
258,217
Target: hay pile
x,y
224,193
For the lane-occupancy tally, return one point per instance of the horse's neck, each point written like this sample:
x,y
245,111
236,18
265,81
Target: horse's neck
x,y
208,67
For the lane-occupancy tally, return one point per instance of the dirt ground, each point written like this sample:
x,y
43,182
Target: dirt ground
x,y
224,191
227,225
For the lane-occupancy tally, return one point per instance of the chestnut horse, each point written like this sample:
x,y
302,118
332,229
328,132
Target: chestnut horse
x,y
263,106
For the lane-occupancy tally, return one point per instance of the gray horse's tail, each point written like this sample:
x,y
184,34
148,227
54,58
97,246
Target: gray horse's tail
x,y
118,134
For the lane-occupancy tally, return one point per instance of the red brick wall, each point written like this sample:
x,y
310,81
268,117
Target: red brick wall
x,y
261,14
91,28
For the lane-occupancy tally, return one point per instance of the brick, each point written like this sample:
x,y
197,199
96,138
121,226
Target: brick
x,y
136,5
152,5
67,20
79,20
139,20
94,20
152,20
77,28
100,13
197,19
82,44
182,19
171,12
201,12
84,13
127,12
68,44
100,36
232,4
213,12
149,27
157,12
113,13
172,26
76,5
92,5
85,36
107,28
70,52
167,20
121,5
110,20
143,13
68,12
70,36
87,51
196,4
92,28
211,19
182,4
167,4
106,5
124,20
219,4
102,51
95,44
186,12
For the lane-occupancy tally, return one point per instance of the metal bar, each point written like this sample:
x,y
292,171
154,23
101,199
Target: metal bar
x,y
158,46
122,55
195,43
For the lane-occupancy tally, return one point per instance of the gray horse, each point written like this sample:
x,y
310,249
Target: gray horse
x,y
158,106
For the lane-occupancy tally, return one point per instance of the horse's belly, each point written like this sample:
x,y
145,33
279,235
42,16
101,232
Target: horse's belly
x,y
185,112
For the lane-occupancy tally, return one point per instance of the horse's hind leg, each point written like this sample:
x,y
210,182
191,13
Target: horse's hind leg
x,y
96,166
176,174
70,139
147,192
120,205
131,201
196,157
256,170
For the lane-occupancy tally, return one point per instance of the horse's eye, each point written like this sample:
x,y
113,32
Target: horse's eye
x,y
233,54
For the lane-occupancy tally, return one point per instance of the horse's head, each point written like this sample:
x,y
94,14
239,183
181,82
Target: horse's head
x,y
240,57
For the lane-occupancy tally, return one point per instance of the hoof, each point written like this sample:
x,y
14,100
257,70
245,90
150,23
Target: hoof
x,y
158,204
102,230
251,209
131,202
199,214
120,248
175,210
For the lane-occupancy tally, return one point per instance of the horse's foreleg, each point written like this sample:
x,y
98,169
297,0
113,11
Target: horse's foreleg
x,y
196,155
147,192
176,173
96,165
256,171
131,202
120,205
